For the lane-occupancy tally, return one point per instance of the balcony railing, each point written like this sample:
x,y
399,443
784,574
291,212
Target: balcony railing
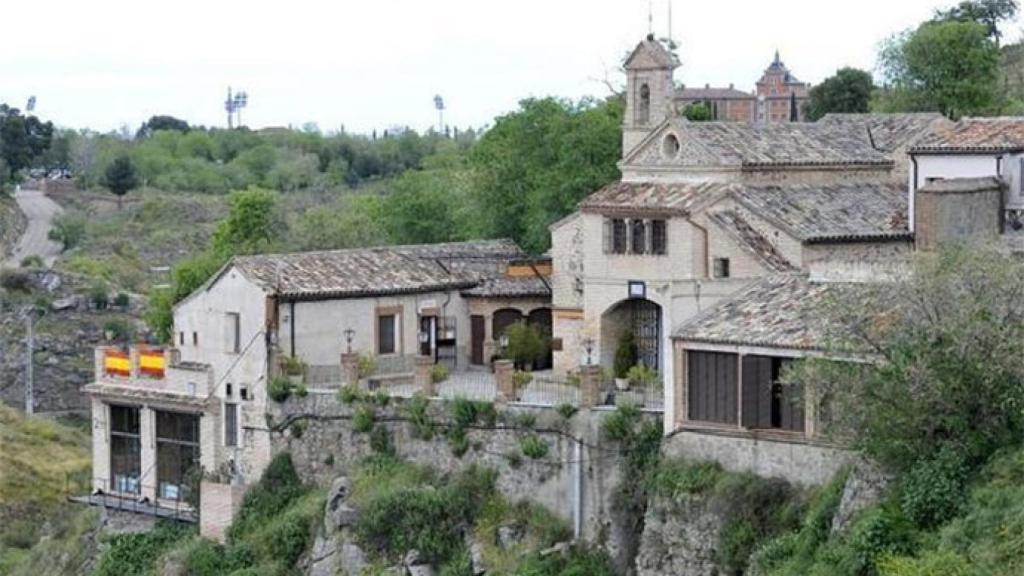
x,y
152,369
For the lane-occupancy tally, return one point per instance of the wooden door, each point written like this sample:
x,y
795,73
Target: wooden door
x,y
476,340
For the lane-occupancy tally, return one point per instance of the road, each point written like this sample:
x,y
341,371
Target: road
x,y
40,212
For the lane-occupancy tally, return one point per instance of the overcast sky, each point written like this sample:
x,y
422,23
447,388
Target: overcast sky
x,y
374,63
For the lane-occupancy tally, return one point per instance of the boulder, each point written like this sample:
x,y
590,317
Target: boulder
x,y
509,536
864,487
338,512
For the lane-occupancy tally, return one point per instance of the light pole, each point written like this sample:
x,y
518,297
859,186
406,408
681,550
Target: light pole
x,y
349,333
588,346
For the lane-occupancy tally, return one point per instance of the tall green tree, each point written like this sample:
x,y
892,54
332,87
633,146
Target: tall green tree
x,y
23,139
697,112
534,165
950,67
121,177
848,90
254,224
990,13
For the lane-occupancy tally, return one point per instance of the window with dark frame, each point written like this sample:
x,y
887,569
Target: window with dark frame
x,y
638,236
125,449
711,387
195,338
619,236
659,237
181,338
721,268
387,334
177,453
231,425
767,402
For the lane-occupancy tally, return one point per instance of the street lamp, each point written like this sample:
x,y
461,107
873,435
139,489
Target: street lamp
x,y
588,346
349,333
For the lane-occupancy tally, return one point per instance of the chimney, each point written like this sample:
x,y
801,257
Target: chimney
x,y
958,210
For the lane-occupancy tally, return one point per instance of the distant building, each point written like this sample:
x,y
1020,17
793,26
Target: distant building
x,y
779,97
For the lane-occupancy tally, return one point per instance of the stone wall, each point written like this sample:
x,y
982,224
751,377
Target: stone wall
x,y
572,477
797,462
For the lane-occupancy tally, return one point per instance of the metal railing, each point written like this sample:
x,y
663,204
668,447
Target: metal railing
x,y
80,488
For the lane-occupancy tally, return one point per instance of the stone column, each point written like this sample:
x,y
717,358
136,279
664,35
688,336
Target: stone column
x,y
591,384
503,370
423,380
490,348
99,356
147,453
350,368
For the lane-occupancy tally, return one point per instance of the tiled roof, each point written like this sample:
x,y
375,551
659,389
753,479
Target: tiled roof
x,y
783,143
976,135
751,240
888,132
711,93
505,287
672,199
778,311
381,270
963,185
650,53
820,212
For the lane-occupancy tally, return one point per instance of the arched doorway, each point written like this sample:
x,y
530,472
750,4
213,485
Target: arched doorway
x,y
639,317
502,319
541,320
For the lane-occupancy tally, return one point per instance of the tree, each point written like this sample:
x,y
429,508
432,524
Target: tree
x,y
253,225
947,373
535,164
990,13
23,139
697,112
120,177
848,90
950,67
161,123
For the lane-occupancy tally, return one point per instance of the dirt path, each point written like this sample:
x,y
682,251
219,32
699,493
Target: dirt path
x,y
40,212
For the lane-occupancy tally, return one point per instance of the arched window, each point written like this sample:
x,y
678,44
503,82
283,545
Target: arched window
x,y
643,105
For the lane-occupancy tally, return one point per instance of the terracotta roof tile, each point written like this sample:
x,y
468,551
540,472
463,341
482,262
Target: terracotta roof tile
x,y
888,132
671,199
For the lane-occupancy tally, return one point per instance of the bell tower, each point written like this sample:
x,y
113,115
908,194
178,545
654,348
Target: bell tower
x,y
649,90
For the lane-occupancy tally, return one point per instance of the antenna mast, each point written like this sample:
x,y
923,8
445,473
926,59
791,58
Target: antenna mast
x,y
670,40
650,17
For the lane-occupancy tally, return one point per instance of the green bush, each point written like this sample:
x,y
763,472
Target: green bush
x,y
297,429
934,490
99,295
279,389
276,490
438,373
367,366
677,479
349,393
458,441
32,261
533,447
932,563
122,300
566,410
580,561
136,554
520,379
417,411
526,344
463,412
120,330
15,280
363,418
626,354
68,229
293,365
380,440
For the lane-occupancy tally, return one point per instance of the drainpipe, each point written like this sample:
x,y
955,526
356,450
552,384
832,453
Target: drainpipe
x,y
912,201
577,499
292,329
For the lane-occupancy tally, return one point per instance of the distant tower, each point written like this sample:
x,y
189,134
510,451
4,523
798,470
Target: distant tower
x,y
439,105
649,90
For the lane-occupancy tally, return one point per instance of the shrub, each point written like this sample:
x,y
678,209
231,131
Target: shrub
x,y
367,366
32,261
526,344
520,379
676,479
380,440
298,429
458,442
301,391
119,330
68,229
293,366
438,373
280,389
579,561
934,490
932,563
135,554
122,300
277,488
15,280
99,296
486,414
533,447
380,398
566,410
417,411
363,418
463,412
642,374
527,420
626,354
349,394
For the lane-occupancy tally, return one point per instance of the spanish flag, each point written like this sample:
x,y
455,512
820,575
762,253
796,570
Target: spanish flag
x,y
117,363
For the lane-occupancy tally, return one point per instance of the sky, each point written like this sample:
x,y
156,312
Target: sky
x,y
371,64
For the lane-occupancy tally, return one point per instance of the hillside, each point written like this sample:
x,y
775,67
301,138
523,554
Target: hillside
x,y
12,223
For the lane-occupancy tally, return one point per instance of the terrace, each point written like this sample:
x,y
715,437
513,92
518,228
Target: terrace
x,y
145,372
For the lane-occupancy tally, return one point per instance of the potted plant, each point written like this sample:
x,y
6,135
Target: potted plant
x,y
625,358
294,368
642,375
